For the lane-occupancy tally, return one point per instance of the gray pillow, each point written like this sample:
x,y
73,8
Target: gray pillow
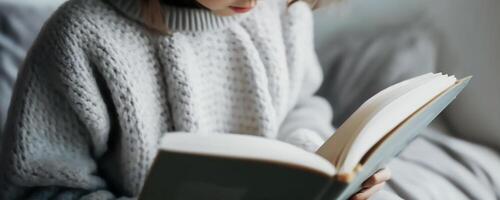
x,y
20,22
359,64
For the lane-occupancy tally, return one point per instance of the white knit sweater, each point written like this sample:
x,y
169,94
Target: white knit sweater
x,y
98,91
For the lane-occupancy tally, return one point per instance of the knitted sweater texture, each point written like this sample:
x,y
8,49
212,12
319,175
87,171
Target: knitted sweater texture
x,y
98,90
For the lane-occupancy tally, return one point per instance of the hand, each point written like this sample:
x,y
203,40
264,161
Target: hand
x,y
374,184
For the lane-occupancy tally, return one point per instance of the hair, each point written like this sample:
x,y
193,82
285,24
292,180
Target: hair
x,y
153,15
312,3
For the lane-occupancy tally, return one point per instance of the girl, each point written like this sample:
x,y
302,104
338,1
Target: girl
x,y
105,80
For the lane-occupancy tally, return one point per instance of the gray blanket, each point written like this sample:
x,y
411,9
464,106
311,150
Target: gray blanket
x,y
439,166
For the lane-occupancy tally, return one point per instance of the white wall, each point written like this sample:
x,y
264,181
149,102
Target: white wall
x,y
364,14
470,46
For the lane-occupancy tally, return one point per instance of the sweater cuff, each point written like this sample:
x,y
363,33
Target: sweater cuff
x,y
305,139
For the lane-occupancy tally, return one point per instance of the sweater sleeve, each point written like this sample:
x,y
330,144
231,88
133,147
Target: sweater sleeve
x,y
308,122
57,128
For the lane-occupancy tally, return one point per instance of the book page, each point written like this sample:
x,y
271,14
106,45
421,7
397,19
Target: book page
x,y
378,116
334,146
391,116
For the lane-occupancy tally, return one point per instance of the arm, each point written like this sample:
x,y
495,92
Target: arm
x,y
308,120
57,128
308,123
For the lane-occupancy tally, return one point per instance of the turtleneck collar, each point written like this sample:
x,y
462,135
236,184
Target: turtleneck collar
x,y
179,18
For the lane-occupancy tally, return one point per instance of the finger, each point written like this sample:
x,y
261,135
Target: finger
x,y
379,177
368,192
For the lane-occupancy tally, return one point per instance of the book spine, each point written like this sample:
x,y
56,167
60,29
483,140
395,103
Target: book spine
x,y
334,190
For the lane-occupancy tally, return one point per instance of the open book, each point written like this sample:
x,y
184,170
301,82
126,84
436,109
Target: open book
x,y
241,167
